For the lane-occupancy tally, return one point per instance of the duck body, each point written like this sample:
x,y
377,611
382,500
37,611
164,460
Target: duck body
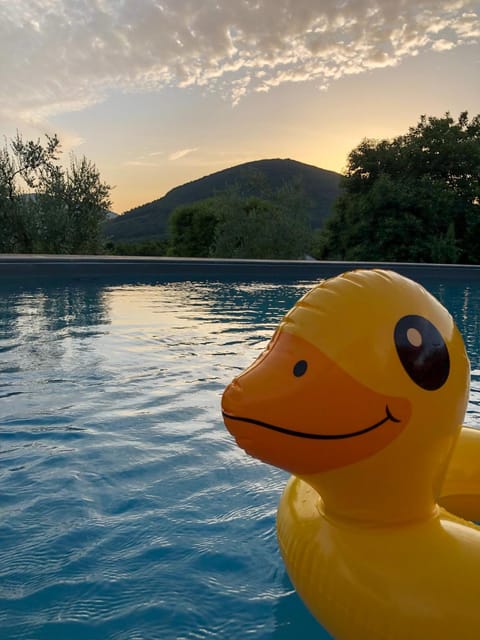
x,y
361,395
460,491
418,580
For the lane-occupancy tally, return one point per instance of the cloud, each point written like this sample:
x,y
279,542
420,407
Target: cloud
x,y
181,153
153,159
63,55
442,45
141,163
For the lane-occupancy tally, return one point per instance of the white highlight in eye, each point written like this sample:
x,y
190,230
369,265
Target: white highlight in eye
x,y
414,337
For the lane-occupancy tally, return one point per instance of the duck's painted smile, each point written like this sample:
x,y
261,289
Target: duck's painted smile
x,y
315,436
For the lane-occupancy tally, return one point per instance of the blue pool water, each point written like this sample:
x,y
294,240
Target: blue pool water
x,y
126,510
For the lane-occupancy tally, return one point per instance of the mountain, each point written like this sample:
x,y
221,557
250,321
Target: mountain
x,y
150,220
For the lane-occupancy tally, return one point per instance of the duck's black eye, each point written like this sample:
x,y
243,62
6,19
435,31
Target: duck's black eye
x,y
300,368
422,352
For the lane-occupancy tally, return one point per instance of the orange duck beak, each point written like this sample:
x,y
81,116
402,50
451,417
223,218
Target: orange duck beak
x,y
298,410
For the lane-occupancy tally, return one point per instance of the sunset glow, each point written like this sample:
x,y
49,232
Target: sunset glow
x,y
157,94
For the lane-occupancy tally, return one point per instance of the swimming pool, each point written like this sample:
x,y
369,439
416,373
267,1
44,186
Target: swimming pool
x,y
127,512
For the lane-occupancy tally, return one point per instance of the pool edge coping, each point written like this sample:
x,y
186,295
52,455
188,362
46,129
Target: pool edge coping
x,y
36,265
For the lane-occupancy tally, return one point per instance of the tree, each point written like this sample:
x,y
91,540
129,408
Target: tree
x,y
231,224
63,210
415,198
261,229
72,208
25,162
192,228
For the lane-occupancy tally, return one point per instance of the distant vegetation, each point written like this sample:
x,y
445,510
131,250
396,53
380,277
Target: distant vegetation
x,y
141,248
414,198
250,179
274,225
45,208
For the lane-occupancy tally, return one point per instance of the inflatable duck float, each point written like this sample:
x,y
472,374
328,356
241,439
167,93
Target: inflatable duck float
x,y
361,394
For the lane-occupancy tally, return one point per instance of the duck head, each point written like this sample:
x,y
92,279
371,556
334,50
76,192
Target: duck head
x,y
361,392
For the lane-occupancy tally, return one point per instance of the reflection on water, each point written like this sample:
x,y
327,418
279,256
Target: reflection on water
x,y
463,301
45,335
84,311
126,511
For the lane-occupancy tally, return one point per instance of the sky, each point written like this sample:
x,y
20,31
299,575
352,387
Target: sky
x,y
160,92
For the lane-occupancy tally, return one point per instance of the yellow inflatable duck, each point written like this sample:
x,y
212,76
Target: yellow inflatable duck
x,y
361,394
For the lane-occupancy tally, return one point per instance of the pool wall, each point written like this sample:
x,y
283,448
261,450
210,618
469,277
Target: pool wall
x,y
193,268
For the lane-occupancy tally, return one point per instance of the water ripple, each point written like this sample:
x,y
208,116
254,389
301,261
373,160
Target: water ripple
x,y
127,512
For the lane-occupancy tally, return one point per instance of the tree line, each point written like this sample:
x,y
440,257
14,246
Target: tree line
x,y
234,224
413,198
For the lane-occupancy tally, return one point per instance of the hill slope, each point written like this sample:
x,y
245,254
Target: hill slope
x,y
150,220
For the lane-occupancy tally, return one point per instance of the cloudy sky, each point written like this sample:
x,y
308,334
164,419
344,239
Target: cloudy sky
x,y
158,92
